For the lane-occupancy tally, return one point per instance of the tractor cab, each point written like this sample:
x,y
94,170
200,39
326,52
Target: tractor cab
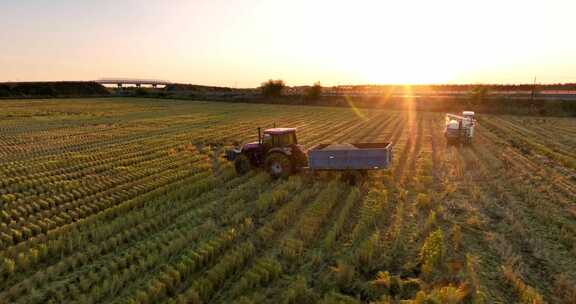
x,y
271,139
279,137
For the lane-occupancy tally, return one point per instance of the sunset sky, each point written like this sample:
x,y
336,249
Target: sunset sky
x,y
242,43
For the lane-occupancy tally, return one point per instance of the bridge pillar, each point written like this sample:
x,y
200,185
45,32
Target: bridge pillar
x,y
138,85
154,85
119,91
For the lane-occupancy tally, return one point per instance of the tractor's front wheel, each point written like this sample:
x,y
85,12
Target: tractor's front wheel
x,y
279,165
242,164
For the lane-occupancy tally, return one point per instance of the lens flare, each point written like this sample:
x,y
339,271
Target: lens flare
x,y
354,108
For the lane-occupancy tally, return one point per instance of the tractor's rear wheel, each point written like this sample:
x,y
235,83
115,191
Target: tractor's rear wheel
x,y
279,165
242,164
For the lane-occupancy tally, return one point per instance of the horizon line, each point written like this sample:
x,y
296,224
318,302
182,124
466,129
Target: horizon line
x,y
304,85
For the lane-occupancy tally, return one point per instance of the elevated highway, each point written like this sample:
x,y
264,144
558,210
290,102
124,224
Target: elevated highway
x,y
119,82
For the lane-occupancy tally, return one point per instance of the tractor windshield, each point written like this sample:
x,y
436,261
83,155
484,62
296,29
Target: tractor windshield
x,y
284,139
267,139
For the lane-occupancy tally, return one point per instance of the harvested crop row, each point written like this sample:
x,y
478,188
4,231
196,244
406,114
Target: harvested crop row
x,y
146,210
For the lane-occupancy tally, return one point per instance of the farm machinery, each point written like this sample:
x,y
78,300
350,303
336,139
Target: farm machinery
x,y
278,152
460,128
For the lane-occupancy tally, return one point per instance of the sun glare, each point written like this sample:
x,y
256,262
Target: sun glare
x,y
391,48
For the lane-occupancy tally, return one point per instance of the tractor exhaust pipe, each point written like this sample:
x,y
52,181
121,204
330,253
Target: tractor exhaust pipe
x,y
259,136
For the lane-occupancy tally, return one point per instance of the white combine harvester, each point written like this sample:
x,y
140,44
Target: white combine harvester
x,y
460,129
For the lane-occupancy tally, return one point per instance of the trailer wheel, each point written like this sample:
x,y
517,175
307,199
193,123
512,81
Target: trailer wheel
x,y
279,165
242,164
354,177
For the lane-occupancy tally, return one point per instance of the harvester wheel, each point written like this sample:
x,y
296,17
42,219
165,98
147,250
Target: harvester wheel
x,y
242,164
279,165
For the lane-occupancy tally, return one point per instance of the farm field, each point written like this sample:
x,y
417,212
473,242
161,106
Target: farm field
x,y
129,201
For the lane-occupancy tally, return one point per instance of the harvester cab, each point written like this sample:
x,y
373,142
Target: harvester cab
x,y
277,150
460,128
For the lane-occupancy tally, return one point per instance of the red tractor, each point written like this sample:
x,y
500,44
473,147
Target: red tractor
x,y
277,150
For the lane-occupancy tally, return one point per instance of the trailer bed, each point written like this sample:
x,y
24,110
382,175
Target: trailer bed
x,y
350,156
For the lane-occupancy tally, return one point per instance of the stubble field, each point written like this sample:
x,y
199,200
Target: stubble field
x,y
129,201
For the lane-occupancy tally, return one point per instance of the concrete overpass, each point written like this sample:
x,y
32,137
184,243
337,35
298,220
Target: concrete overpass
x,y
119,82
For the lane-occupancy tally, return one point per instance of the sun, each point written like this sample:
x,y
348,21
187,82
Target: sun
x,y
406,69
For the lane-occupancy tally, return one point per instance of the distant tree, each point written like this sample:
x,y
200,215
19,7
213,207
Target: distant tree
x,y
272,88
314,92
